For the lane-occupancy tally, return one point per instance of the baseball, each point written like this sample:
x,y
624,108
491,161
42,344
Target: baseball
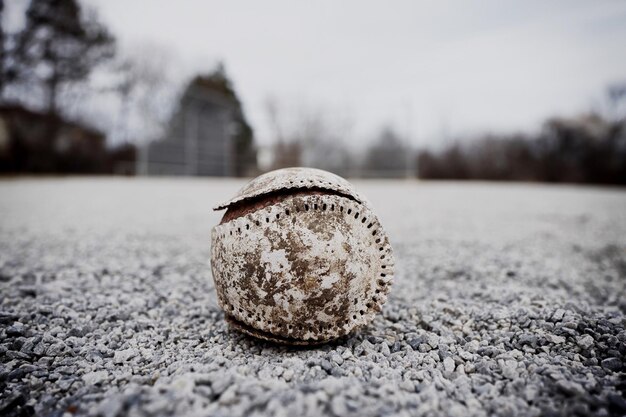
x,y
300,258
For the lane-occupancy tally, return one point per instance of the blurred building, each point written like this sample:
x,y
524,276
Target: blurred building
x,y
34,142
207,136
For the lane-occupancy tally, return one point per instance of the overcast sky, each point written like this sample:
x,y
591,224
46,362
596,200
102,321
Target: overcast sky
x,y
432,68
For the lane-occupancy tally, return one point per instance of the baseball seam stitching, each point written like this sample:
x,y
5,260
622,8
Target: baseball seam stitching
x,y
349,208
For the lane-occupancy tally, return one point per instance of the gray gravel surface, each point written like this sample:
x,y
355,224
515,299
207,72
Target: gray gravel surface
x,y
509,300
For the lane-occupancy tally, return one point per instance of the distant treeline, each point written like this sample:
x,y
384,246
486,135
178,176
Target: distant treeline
x,y
589,149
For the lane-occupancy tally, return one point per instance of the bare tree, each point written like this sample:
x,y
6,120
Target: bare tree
x,y
616,94
60,44
6,44
584,149
309,136
387,156
287,151
146,92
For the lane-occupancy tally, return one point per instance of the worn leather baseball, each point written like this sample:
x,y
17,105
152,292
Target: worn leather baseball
x,y
300,258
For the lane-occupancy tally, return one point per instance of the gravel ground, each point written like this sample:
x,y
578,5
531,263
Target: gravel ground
x,y
508,300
